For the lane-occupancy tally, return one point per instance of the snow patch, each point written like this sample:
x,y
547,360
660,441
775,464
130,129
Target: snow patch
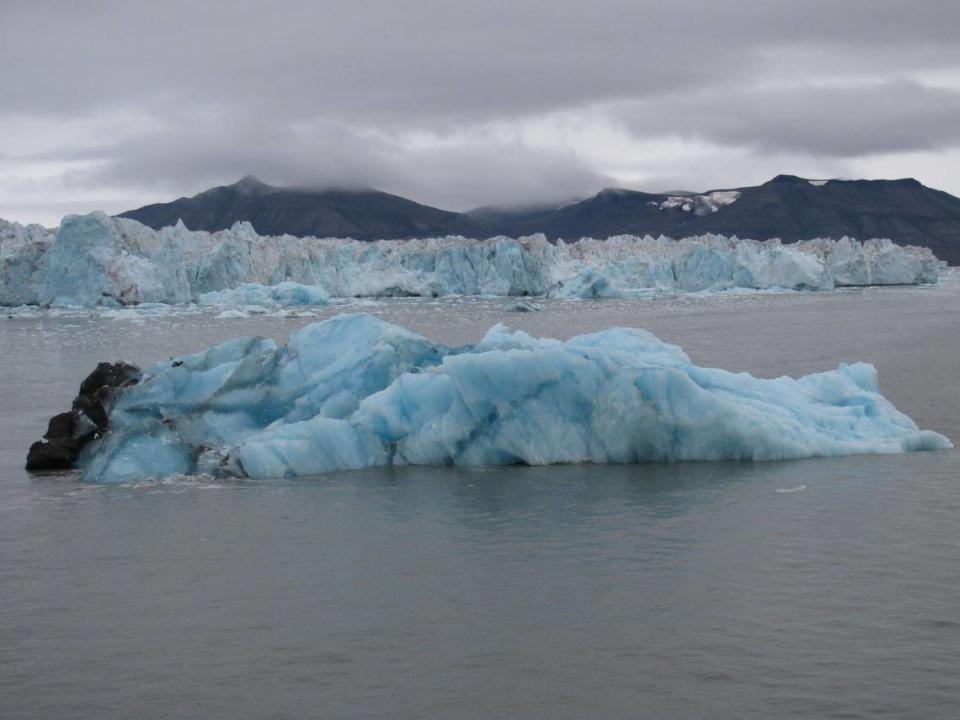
x,y
700,204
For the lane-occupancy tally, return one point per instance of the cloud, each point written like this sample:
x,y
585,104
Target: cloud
x,y
436,99
834,121
455,172
439,61
192,152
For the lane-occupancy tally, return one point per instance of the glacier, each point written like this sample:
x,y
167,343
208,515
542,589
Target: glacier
x,y
355,391
98,260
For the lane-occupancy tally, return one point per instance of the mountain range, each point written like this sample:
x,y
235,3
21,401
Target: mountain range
x,y
787,207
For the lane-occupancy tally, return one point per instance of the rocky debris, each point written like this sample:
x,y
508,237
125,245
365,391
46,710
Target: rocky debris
x,y
69,432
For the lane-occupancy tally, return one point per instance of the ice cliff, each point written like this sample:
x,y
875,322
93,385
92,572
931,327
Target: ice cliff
x,y
355,392
98,260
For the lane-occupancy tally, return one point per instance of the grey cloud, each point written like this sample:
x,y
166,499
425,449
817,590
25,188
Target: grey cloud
x,y
827,121
455,175
407,61
325,92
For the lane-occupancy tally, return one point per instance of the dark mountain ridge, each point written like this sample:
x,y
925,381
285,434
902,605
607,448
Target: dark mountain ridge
x,y
334,212
787,207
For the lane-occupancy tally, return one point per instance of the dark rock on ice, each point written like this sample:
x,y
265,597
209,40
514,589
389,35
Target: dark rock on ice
x,y
69,432
52,455
110,375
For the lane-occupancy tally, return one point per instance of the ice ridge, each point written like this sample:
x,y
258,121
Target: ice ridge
x,y
99,260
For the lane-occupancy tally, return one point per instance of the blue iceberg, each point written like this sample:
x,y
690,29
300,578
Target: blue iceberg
x,y
355,391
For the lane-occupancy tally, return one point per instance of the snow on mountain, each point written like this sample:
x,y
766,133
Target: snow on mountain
x,y
355,392
98,260
699,204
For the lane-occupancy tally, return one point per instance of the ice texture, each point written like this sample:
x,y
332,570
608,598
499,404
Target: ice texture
x,y
284,294
99,260
354,392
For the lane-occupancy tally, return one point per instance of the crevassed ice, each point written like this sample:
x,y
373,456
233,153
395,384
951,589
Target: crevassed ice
x,y
98,260
354,392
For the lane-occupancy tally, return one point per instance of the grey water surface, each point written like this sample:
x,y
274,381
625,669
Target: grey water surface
x,y
810,589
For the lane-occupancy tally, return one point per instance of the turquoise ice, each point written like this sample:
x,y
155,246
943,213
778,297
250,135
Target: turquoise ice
x,y
354,392
99,260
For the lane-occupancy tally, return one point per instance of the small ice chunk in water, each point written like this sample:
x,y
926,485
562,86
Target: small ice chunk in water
x,y
232,314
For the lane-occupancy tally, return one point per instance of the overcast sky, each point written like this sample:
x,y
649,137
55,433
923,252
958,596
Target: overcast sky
x,y
110,105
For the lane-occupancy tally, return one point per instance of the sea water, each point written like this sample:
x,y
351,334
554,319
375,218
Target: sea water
x,y
817,588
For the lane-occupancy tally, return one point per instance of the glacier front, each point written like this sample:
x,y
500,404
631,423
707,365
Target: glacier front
x,y
99,260
354,392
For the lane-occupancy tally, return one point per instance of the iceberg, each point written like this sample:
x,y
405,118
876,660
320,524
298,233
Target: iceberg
x,y
99,260
355,391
